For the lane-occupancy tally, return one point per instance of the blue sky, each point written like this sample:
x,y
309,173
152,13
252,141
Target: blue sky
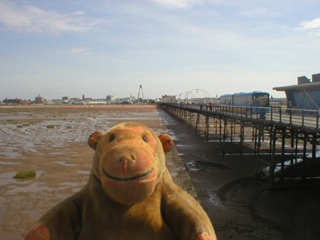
x,y
111,47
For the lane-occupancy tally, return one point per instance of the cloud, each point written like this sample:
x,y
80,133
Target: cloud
x,y
33,19
313,26
315,23
178,3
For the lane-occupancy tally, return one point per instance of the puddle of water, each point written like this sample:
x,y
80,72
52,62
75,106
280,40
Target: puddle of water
x,y
32,188
5,178
215,200
57,153
10,154
66,164
192,168
9,163
204,166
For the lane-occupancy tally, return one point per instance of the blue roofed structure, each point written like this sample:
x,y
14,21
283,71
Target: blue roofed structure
x,y
304,95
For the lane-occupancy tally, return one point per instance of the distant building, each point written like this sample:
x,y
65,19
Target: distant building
x,y
127,100
85,99
304,95
39,99
168,98
111,98
16,101
56,101
26,101
12,101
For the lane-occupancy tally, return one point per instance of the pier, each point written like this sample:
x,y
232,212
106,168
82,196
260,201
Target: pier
x,y
285,139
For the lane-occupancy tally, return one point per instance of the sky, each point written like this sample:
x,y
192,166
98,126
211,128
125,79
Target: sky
x,y
111,47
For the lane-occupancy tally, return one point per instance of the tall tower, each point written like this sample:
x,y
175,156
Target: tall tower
x,y
140,94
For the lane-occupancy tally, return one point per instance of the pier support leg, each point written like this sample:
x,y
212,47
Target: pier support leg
x,y
197,122
207,128
231,131
273,159
296,148
282,152
304,158
258,147
224,137
314,146
220,127
255,131
241,136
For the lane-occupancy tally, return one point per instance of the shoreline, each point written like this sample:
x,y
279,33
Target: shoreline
x,y
109,106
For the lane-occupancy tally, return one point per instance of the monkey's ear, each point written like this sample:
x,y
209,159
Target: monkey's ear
x,y
94,139
166,141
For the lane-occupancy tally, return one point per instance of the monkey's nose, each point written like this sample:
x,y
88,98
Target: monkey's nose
x,y
131,158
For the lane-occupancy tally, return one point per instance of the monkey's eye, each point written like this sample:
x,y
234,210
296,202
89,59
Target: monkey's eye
x,y
111,138
145,138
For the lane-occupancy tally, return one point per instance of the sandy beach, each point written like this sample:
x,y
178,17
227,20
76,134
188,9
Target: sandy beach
x,y
52,141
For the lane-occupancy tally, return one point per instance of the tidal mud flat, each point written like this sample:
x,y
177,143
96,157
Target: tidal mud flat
x,y
53,142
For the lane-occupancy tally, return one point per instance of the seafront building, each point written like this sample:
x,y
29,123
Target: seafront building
x,y
304,95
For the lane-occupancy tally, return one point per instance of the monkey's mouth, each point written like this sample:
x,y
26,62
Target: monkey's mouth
x,y
127,179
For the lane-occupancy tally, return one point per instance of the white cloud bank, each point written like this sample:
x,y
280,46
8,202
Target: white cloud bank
x,y
313,25
33,19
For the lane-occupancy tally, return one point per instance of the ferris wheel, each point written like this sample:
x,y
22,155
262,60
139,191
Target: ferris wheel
x,y
190,94
194,93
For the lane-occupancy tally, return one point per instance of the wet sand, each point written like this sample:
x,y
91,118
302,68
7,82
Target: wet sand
x,y
52,141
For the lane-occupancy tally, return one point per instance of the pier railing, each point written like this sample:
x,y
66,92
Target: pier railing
x,y
303,118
